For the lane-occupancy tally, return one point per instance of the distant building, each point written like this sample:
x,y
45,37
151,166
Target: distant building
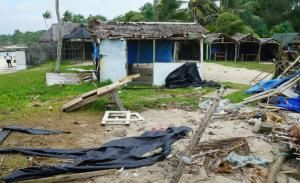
x,y
77,41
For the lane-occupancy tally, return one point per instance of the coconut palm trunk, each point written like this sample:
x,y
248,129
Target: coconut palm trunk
x,y
59,41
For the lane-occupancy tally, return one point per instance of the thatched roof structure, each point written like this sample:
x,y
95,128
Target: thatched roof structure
x,y
267,41
219,38
239,37
79,33
52,34
167,30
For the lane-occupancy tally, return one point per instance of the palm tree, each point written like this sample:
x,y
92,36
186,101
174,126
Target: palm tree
x,y
205,11
59,42
46,16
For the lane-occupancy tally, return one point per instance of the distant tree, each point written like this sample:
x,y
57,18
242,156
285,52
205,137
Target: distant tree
x,y
284,27
204,11
67,16
46,16
230,24
147,11
131,16
59,42
78,18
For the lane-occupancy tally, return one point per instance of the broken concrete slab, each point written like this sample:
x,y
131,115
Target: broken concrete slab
x,y
62,79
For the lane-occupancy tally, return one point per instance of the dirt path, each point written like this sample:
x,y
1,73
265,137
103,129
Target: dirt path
x,y
221,73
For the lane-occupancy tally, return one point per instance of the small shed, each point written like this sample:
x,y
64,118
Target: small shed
x,y
248,46
268,49
220,46
73,34
151,49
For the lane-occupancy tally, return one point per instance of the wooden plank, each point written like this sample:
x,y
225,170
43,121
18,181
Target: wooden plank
x,y
289,67
197,136
118,100
71,177
90,96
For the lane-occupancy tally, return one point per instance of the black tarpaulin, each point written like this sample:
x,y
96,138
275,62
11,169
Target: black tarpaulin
x,y
187,75
127,152
9,129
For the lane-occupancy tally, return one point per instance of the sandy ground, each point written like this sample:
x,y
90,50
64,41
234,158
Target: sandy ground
x,y
87,132
4,68
221,73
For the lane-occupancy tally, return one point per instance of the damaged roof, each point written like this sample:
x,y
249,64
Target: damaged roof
x,y
52,34
167,30
239,37
219,38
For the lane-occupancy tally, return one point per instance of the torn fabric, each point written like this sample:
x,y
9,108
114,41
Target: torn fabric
x,y
9,129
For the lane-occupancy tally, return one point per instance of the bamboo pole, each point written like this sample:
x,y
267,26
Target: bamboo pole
x,y
275,169
70,177
197,136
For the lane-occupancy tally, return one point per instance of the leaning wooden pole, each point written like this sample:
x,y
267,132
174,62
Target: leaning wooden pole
x,y
71,177
275,169
197,136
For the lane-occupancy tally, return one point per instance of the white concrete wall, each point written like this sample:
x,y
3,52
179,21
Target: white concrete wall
x,y
20,60
162,70
113,62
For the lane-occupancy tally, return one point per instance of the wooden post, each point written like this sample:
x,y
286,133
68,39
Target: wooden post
x,y
138,57
197,136
174,51
210,52
83,51
154,59
207,50
259,53
118,100
201,50
226,50
235,52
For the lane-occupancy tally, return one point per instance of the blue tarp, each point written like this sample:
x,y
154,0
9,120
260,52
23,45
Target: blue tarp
x,y
164,51
267,85
291,104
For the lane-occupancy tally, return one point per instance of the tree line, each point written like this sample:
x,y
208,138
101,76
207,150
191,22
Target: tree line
x,y
260,17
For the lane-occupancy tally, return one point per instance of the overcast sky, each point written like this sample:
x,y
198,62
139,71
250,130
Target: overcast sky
x,y
26,15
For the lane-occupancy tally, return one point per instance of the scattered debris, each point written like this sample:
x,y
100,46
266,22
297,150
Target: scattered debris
x,y
241,161
62,79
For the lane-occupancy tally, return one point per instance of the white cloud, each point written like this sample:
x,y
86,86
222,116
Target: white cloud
x,y
26,15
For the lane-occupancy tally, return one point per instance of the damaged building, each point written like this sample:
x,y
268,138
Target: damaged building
x,y
151,49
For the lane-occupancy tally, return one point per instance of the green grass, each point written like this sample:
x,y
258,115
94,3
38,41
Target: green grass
x,y
239,95
20,90
265,67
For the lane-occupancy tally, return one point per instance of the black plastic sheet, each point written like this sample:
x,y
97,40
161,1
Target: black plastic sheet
x,y
9,129
127,152
187,75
